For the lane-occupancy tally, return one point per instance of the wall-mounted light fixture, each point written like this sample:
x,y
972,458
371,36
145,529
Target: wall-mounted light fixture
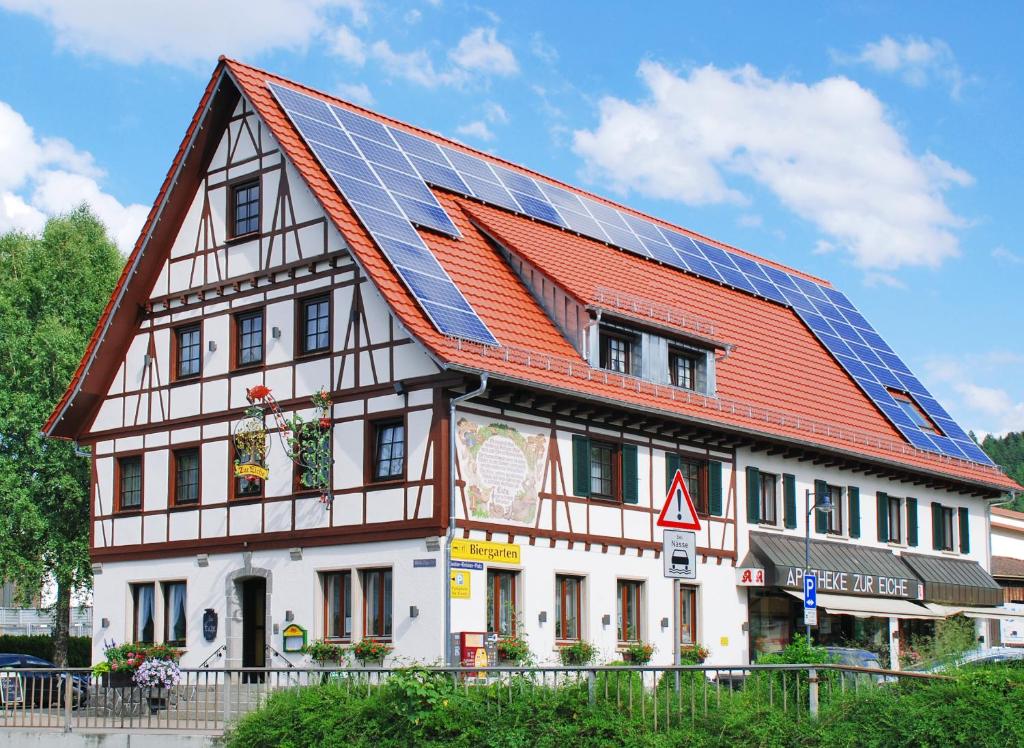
x,y
212,345
97,569
275,333
664,622
414,612
202,559
295,554
606,620
105,623
433,544
542,617
400,388
147,360
289,615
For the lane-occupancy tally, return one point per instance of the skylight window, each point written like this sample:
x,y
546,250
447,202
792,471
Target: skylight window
x,y
914,412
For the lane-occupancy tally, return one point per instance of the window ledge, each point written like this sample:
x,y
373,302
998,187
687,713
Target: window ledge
x,y
239,238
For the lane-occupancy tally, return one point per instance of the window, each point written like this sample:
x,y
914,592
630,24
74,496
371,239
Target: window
x,y
315,320
245,205
683,369
895,520
687,615
913,411
243,488
129,482
768,514
616,352
189,342
249,338
502,617
603,475
946,537
338,605
567,607
186,476
628,603
695,475
389,450
143,615
377,603
834,519
174,613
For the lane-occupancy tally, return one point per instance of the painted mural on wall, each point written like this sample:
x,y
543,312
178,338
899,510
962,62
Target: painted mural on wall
x,y
503,467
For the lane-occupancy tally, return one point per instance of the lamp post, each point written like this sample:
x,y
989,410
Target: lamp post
x,y
822,504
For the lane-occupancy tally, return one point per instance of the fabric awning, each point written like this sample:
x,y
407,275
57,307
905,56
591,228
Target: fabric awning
x,y
870,607
955,581
997,613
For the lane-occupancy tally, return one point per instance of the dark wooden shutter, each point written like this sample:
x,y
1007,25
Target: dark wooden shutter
x,y
911,522
714,488
882,516
853,502
630,479
965,530
937,526
820,518
753,495
580,466
672,463
789,500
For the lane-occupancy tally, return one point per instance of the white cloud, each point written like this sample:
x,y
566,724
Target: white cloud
x,y
480,51
750,220
915,60
826,150
495,113
415,67
414,16
1002,254
358,93
476,129
541,49
983,408
42,176
345,44
883,280
186,32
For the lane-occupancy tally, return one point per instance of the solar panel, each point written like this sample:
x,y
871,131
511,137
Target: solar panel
x,y
376,166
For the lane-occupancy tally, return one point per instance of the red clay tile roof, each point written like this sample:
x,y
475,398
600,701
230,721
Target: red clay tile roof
x,y
1004,566
791,389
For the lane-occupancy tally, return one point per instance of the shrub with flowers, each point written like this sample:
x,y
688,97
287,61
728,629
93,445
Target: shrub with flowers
x,y
131,656
639,653
324,652
693,655
371,650
157,674
513,648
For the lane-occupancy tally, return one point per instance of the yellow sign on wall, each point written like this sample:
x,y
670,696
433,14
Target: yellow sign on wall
x,y
484,550
460,584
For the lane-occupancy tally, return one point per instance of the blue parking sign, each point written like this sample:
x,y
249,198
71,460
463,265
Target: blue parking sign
x,y
810,591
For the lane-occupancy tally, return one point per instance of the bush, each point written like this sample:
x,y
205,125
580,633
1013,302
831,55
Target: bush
x,y
41,645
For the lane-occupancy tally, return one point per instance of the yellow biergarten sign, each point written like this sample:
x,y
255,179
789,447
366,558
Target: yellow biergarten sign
x,y
483,550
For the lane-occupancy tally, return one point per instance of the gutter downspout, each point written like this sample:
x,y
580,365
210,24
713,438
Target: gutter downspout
x,y
451,514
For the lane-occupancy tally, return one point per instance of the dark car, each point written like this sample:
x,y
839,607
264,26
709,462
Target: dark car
x,y
40,685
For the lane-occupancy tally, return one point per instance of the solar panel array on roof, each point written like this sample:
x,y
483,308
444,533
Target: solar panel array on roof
x,y
384,173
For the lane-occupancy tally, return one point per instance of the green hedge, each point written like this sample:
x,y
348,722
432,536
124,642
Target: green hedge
x,y
978,708
79,648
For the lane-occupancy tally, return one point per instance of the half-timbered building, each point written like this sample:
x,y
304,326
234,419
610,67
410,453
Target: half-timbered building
x,y
516,369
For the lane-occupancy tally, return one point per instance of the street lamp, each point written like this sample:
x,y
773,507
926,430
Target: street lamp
x,y
822,504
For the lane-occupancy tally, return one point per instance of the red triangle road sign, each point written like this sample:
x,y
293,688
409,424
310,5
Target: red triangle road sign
x,y
678,511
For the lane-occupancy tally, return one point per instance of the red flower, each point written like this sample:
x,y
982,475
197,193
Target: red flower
x,y
325,422
258,392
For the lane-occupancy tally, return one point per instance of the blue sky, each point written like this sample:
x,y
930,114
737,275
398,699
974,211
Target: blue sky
x,y
873,144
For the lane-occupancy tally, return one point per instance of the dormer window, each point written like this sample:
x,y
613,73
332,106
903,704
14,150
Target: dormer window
x,y
683,366
617,352
913,411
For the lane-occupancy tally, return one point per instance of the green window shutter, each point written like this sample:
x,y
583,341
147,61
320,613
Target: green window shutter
x,y
630,479
753,495
965,530
789,500
672,463
714,488
853,499
882,516
911,522
936,525
820,518
580,466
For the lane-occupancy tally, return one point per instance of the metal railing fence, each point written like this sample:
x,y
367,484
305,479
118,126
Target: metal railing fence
x,y
210,700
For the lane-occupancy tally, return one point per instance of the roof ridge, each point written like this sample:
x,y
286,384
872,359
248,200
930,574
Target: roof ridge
x,y
533,173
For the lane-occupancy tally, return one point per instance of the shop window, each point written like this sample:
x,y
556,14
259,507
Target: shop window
x,y
389,450
629,606
175,614
568,599
338,605
129,483
188,349
687,615
377,603
617,351
245,208
186,476
502,618
249,339
895,520
772,618
143,615
315,325
834,519
603,473
769,505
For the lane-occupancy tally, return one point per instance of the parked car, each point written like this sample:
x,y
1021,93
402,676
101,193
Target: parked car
x,y
858,658
42,686
1009,655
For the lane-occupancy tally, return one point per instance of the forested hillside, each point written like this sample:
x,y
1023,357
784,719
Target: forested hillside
x,y
1008,452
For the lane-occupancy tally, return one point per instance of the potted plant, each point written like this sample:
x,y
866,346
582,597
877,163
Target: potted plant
x,y
578,653
513,649
638,653
324,653
158,676
123,660
693,655
371,652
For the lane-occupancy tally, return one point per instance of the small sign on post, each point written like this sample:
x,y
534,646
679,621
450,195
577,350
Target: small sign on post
x,y
810,600
680,554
